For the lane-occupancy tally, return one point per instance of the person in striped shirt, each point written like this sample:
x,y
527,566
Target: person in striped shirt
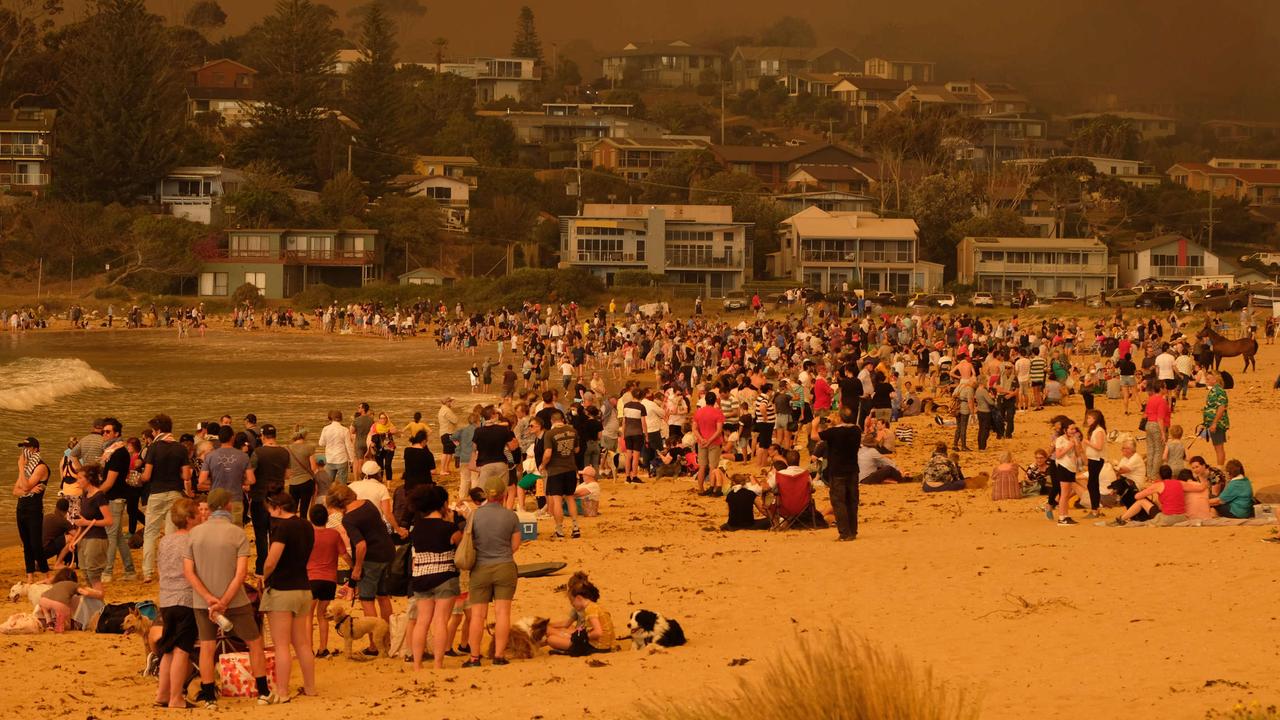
x,y
1038,369
765,416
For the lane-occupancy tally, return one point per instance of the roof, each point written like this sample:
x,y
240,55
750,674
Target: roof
x,y
825,195
1121,114
207,171
813,222
409,180
30,119
938,92
447,160
718,214
675,47
752,53
828,78
424,271
1250,176
647,143
1038,243
870,82
220,61
902,62
777,154
1155,242
830,173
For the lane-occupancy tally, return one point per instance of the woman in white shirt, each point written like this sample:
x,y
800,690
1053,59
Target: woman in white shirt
x,y
1067,454
1095,453
1131,465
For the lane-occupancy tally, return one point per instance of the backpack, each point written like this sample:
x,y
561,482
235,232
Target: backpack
x,y
1228,382
111,619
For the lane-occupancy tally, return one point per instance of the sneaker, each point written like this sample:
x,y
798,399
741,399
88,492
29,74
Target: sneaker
x,y
273,699
558,535
635,481
1118,522
153,665
542,515
322,654
471,662
501,661
1066,521
575,534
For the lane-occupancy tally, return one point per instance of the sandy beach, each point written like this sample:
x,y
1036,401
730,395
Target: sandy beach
x,y
1041,620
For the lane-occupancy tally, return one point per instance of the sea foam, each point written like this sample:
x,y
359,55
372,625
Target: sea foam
x,y
29,383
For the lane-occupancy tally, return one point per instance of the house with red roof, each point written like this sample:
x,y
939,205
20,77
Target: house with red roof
x,y
1257,181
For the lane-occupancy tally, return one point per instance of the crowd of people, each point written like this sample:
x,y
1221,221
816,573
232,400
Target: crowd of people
x,y
760,410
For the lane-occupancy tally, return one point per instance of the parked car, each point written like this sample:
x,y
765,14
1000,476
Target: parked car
x,y
1122,297
940,300
884,297
810,295
1066,296
1218,298
736,300
1158,299
1022,297
982,299
917,300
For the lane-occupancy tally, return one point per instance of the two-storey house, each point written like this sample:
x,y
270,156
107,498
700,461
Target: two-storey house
x,y
282,262
26,146
1046,266
828,250
673,64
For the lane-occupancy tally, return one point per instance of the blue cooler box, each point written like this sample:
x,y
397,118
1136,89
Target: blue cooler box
x,y
528,526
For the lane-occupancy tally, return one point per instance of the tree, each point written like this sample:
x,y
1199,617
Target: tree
x,y
376,101
526,43
161,249
997,223
294,48
206,15
411,228
123,107
22,23
682,118
672,182
627,97
938,203
342,198
433,100
1108,136
263,199
789,32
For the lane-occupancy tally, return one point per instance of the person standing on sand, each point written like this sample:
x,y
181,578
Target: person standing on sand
x,y
1216,420
842,442
333,443
167,474
448,421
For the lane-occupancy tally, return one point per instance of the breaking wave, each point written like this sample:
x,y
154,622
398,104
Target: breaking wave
x,y
29,383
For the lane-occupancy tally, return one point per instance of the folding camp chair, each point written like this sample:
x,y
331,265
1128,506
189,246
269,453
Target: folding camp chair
x,y
794,504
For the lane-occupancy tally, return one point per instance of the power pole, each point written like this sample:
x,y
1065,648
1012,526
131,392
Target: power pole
x,y
1211,217
722,112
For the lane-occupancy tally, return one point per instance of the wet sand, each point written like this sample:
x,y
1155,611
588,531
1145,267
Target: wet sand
x,y
1044,621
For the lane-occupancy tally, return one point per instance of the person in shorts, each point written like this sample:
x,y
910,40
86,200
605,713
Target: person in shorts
x,y
434,577
287,599
216,562
371,552
177,643
322,571
496,534
558,464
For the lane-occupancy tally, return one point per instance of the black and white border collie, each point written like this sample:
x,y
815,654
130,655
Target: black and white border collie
x,y
648,627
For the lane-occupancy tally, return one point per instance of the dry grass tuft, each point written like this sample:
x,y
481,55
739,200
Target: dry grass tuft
x,y
836,677
1021,606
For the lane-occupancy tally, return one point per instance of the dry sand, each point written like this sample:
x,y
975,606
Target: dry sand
x,y
1043,621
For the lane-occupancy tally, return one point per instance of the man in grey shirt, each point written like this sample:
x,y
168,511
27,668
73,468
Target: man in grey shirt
x,y
360,429
496,533
216,562
89,450
228,468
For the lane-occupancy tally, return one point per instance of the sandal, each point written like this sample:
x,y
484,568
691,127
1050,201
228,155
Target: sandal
x,y
471,662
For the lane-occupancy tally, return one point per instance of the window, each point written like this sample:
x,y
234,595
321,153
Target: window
x,y
250,246
192,188
689,235
439,193
256,279
213,283
639,249
992,256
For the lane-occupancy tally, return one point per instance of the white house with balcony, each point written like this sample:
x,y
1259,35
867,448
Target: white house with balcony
x,y
197,193
452,193
697,246
829,249
1047,266
1169,258
26,144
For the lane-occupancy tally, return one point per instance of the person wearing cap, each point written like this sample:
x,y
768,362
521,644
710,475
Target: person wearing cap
x,y
371,488
33,478
448,421
496,536
215,563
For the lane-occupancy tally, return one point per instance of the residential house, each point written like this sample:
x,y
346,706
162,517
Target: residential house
x,y
427,276
751,63
954,96
1257,185
808,83
452,194
1244,163
1240,130
568,123
774,165
197,193
458,166
1169,258
635,157
225,87
841,178
284,262
1131,172
826,250
870,97
1014,125
697,246
1046,266
999,98
673,64
26,146
344,59
912,71
1149,125
828,200
502,78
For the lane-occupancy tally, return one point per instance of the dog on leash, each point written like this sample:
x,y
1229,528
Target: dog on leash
x,y
648,627
526,636
352,628
31,591
138,623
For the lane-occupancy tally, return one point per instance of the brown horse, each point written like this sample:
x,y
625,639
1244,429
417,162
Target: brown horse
x,y
1224,348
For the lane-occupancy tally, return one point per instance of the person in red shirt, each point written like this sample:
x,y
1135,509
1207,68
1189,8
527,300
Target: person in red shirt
x,y
1156,411
708,431
322,570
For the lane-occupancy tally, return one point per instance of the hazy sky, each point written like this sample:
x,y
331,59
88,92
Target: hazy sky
x,y
1220,52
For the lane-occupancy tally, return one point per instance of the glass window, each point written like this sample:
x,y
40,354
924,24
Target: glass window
x,y
213,283
256,279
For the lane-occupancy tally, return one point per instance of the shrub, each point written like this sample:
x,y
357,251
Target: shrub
x,y
637,278
837,677
111,292
246,293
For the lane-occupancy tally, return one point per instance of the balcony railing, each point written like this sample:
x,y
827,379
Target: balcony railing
x,y
853,258
607,256
24,150
187,199
1176,271
686,260
996,266
296,257
28,179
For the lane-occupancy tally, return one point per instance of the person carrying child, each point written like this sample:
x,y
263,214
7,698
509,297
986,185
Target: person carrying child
x,y
589,628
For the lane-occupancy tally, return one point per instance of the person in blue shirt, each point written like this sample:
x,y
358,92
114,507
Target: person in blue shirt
x,y
1236,500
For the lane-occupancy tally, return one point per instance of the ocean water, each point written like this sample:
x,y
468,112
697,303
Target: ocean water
x,y
52,385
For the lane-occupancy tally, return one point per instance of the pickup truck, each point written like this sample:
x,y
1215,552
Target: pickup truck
x,y
1218,299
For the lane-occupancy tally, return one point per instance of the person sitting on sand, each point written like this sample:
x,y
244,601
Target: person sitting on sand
x,y
589,628
941,473
1236,500
1038,480
1004,479
743,501
873,466
1170,494
1131,465
1197,495
59,602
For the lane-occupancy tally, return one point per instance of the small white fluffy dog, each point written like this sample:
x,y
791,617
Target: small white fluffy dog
x,y
32,591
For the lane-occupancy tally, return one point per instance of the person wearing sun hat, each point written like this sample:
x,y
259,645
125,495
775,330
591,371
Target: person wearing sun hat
x,y
496,533
370,487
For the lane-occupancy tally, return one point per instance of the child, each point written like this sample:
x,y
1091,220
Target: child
x,y
589,628
322,570
1175,453
743,501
